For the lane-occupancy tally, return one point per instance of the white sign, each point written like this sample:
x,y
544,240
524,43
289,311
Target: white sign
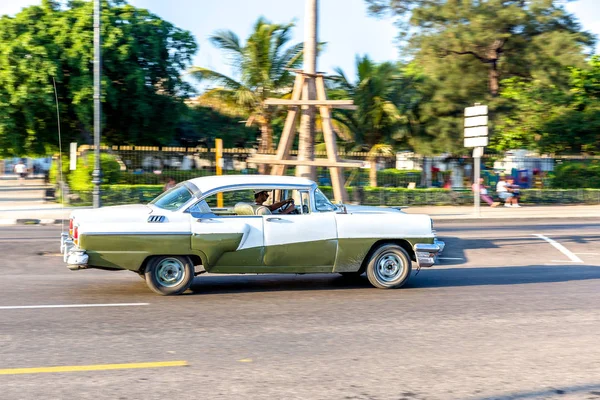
x,y
482,120
477,110
73,156
476,131
479,141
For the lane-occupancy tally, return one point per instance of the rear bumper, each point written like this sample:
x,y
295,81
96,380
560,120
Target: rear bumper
x,y
75,257
426,254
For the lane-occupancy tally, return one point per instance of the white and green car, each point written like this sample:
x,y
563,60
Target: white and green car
x,y
182,233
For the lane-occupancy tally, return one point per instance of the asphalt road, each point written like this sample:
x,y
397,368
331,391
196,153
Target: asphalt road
x,y
513,312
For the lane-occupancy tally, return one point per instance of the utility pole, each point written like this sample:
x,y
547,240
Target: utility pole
x,y
309,92
307,120
97,106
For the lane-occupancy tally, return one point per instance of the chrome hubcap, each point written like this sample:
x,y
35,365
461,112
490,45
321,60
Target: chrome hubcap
x,y
389,267
170,272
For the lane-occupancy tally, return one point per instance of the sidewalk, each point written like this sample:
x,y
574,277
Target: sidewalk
x,y
55,213
459,213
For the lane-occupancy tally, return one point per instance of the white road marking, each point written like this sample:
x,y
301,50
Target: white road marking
x,y
73,306
560,248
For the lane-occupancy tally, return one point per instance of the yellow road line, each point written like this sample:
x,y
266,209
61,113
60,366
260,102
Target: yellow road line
x,y
98,367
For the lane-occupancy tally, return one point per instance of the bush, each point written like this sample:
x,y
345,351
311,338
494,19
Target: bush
x,y
135,194
81,178
575,175
398,178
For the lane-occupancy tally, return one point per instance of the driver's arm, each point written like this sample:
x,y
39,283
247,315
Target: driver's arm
x,y
289,208
279,204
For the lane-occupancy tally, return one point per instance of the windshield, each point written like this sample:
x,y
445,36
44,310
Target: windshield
x,y
173,199
322,203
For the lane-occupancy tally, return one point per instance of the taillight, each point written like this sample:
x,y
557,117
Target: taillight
x,y
76,235
71,227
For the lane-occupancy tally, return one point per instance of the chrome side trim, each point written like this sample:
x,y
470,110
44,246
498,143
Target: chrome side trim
x,y
132,233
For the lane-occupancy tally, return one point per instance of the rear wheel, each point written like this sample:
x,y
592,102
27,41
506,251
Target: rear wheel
x,y
389,267
169,275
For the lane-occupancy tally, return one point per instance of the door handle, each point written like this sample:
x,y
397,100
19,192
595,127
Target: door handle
x,y
273,219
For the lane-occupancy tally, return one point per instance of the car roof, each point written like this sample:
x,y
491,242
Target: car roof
x,y
207,183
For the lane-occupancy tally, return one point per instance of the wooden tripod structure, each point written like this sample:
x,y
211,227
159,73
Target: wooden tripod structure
x,y
300,98
309,92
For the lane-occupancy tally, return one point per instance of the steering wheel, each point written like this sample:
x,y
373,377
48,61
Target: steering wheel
x,y
294,206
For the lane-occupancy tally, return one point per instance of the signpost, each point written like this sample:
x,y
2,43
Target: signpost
x,y
476,136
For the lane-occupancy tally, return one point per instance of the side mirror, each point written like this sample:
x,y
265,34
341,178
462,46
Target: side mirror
x,y
342,207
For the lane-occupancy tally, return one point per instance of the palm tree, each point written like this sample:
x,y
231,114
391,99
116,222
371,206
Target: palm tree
x,y
262,66
378,122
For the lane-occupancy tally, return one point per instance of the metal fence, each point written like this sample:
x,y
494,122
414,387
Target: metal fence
x,y
402,178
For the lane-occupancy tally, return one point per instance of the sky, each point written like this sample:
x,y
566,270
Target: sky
x,y
343,24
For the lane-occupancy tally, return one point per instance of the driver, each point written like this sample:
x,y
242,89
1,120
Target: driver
x,y
260,196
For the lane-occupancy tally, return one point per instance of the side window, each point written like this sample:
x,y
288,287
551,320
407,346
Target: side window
x,y
305,201
244,203
301,199
322,203
238,202
200,207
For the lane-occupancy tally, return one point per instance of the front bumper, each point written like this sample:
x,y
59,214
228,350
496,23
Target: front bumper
x,y
75,257
426,254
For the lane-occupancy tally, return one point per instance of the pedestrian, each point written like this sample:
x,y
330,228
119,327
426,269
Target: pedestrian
x,y
505,192
483,193
21,170
171,183
515,190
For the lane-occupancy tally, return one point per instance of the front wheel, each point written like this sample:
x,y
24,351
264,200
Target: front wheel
x,y
169,275
389,267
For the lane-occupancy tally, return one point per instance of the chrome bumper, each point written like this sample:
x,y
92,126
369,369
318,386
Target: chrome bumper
x,y
75,257
426,254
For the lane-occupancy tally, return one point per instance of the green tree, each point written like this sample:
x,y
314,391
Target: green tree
x,y
378,123
202,125
465,48
142,89
262,66
506,37
544,117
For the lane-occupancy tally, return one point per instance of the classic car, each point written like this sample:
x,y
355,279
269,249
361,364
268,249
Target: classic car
x,y
213,224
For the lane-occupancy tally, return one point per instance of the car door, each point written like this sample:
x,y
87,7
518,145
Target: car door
x,y
230,243
300,242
